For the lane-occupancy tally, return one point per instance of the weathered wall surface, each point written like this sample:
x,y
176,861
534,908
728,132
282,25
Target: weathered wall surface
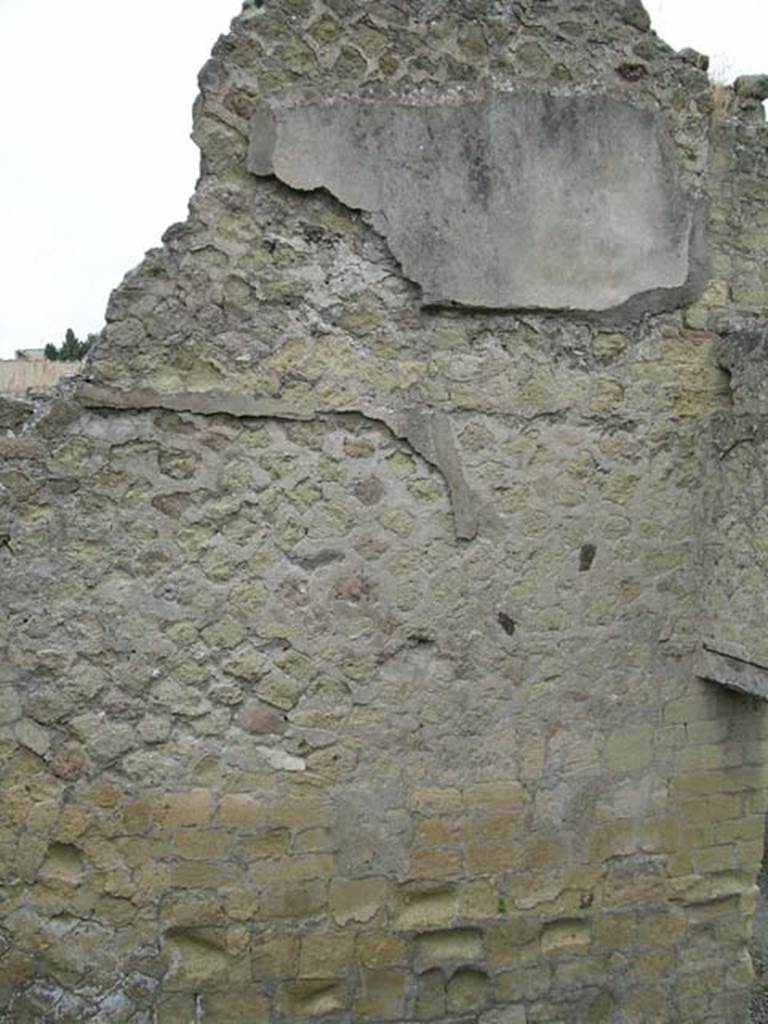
x,y
351,642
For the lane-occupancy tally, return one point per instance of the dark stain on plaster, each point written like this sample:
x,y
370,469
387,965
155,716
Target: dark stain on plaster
x,y
507,623
420,640
586,557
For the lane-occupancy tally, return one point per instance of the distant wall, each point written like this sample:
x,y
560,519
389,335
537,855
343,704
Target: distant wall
x,y
17,376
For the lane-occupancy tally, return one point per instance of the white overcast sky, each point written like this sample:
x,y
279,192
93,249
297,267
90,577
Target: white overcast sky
x,y
95,157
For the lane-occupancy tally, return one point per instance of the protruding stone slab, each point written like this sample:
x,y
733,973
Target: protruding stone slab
x,y
734,672
512,201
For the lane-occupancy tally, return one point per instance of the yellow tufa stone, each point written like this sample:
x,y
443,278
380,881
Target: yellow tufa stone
x,y
357,900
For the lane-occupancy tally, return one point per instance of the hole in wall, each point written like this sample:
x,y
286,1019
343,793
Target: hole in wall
x,y
586,557
507,623
726,384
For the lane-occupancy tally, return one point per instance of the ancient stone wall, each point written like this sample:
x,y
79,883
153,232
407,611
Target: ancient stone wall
x,y
370,597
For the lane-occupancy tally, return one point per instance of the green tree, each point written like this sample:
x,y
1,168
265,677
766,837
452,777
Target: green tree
x,y
71,349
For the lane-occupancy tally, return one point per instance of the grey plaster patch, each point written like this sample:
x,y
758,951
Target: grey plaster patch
x,y
513,201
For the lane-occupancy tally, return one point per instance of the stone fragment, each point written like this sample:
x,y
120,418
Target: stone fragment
x,y
294,901
226,633
200,844
250,666
199,957
154,728
606,347
282,761
184,810
630,749
227,693
526,983
468,991
369,491
63,863
428,906
242,810
236,1006
601,1009
504,1015
295,868
180,700
513,940
10,705
173,1007
381,949
274,843
259,719
299,1000
693,57
752,87
358,900
69,761
14,414
203,875
279,689
326,953
635,14
662,929
563,935
381,995
632,71
435,862
478,899
32,736
430,999
274,955
106,741
457,944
